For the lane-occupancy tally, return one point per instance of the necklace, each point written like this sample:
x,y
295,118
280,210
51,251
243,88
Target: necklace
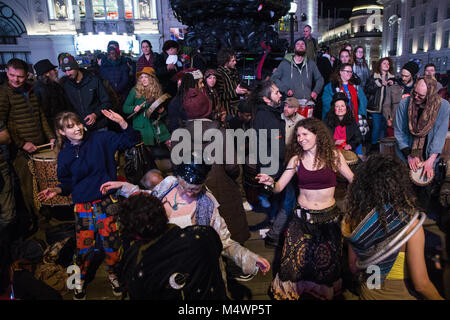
x,y
175,204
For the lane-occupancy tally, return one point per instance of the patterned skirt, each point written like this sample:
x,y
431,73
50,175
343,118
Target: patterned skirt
x,y
311,256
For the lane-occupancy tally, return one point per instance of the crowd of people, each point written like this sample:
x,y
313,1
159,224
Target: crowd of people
x,y
179,230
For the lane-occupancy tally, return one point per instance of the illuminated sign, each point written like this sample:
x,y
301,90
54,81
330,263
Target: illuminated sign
x,y
99,42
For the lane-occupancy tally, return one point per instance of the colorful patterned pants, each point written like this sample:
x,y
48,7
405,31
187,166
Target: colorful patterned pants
x,y
97,221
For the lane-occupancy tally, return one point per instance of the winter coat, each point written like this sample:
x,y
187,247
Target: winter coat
x,y
88,96
177,114
117,73
52,98
83,168
362,71
376,92
153,130
301,81
352,132
269,118
143,62
394,95
164,76
331,88
23,116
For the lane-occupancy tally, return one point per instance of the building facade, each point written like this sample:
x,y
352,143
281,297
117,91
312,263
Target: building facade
x,y
364,28
37,29
418,29
306,13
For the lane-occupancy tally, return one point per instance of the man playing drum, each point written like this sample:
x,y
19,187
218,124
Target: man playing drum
x,y
421,127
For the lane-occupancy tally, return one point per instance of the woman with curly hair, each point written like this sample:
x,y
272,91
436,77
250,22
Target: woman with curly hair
x,y
342,125
164,261
153,130
383,230
310,262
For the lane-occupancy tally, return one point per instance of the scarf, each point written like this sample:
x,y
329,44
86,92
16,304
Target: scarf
x,y
371,236
353,98
203,210
419,126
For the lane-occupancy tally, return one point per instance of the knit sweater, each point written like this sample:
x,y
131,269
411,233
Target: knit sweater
x,y
24,117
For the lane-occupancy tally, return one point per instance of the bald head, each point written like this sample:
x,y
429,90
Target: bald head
x,y
420,92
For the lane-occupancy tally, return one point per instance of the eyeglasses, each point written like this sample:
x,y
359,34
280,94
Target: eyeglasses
x,y
347,71
415,94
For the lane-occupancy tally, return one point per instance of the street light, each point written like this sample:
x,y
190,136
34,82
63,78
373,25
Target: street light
x,y
292,12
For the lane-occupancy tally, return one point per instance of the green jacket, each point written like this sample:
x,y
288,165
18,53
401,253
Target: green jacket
x,y
147,127
23,116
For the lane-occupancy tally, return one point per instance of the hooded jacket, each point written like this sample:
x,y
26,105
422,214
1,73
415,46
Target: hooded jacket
x,y
302,81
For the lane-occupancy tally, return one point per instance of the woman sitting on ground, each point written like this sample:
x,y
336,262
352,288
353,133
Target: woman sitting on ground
x,y
380,206
310,263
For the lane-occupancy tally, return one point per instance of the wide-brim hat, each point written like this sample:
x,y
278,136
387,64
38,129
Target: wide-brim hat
x,y
147,70
43,66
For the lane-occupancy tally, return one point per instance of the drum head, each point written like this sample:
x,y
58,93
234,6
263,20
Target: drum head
x,y
349,156
156,104
47,155
418,179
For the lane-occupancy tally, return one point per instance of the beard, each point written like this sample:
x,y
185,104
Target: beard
x,y
276,105
300,53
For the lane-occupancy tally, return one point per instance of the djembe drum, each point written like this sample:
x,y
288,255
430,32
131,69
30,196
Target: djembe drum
x,y
352,160
43,166
387,146
419,178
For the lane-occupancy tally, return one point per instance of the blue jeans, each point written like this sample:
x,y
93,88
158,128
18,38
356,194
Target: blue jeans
x,y
379,127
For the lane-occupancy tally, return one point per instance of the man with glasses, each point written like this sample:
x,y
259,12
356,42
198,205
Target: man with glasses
x,y
421,126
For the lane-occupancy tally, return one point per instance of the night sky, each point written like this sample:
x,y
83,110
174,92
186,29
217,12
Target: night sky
x,y
332,4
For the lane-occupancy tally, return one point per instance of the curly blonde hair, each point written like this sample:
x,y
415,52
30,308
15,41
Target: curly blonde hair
x,y
326,154
153,90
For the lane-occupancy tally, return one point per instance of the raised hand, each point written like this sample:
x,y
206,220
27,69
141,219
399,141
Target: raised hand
x,y
113,116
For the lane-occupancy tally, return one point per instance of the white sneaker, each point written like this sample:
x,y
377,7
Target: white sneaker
x,y
247,206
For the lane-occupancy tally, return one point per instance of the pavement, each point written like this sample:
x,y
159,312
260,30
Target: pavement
x,y
257,288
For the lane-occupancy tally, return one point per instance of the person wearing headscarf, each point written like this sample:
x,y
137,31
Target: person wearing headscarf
x,y
187,202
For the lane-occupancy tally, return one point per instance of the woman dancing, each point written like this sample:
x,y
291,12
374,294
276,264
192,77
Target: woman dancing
x,y
310,262
85,162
